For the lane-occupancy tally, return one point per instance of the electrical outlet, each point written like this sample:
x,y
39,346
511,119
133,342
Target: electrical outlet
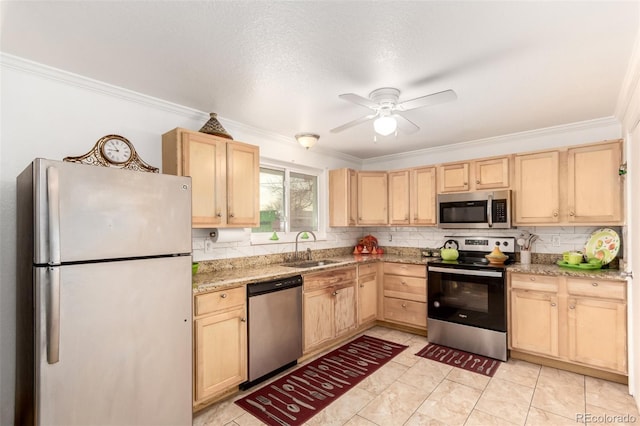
x,y
208,245
555,241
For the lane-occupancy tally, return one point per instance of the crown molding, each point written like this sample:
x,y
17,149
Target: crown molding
x,y
511,138
86,83
626,109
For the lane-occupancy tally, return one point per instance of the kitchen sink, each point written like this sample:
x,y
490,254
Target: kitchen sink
x,y
310,263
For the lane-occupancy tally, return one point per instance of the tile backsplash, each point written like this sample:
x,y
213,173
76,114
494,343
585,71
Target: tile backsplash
x,y
552,240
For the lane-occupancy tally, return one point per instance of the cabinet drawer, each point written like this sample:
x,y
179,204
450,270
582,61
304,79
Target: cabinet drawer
x,y
597,288
411,288
328,278
367,269
219,300
405,311
404,269
534,282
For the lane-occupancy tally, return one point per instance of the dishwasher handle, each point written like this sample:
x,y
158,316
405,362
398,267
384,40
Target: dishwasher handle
x,y
256,289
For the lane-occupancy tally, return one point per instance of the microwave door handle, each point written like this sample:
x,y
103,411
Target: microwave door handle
x,y
489,211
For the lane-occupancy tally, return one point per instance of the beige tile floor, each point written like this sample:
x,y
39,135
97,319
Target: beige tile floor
x,y
411,391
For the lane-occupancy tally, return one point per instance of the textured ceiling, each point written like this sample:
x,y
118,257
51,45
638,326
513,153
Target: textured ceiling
x,y
280,66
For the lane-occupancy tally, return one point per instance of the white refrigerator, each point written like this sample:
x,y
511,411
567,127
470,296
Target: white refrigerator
x,y
104,296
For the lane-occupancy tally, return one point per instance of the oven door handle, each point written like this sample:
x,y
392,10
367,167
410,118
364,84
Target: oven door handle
x,y
466,272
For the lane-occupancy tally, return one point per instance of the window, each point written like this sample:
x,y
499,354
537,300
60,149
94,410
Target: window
x,y
288,200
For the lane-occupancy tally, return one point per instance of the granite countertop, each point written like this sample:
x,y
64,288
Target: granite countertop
x,y
208,281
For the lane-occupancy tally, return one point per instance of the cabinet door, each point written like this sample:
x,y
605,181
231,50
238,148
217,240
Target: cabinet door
x,y
598,333
204,159
536,188
217,370
345,308
454,177
492,173
423,196
534,321
319,324
594,187
243,185
343,197
367,298
372,198
399,197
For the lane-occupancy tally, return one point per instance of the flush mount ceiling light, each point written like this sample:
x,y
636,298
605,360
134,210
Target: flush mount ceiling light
x,y
307,140
385,125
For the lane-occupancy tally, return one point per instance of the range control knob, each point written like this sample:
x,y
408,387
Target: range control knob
x,y
505,243
436,304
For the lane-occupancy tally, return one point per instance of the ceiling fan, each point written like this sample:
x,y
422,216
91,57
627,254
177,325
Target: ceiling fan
x,y
387,110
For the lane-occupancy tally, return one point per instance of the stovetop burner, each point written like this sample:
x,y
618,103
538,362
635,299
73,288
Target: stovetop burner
x,y
472,251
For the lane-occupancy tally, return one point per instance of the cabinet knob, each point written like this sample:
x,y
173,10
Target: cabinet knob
x,y
478,181
243,320
555,213
335,293
572,214
532,278
359,218
361,285
231,215
466,183
572,306
403,282
404,305
594,284
223,295
553,304
219,214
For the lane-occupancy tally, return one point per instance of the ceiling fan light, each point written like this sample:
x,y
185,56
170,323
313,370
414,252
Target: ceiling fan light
x,y
307,140
385,125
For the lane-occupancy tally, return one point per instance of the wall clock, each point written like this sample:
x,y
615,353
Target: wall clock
x,y
113,151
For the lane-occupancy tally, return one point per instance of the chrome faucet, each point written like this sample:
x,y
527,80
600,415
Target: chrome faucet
x,y
308,250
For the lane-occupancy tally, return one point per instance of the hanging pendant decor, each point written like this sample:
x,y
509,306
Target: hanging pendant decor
x,y
213,127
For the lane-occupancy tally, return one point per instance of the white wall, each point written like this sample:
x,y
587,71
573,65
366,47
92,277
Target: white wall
x,y
49,113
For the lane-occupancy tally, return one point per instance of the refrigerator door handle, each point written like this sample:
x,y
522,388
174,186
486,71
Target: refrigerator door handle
x,y
53,316
53,214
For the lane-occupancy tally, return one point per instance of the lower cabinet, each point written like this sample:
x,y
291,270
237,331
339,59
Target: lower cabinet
x,y
405,294
329,306
220,343
577,320
367,293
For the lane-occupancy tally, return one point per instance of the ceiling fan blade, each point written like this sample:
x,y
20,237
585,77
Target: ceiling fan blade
x,y
433,99
405,125
359,100
353,123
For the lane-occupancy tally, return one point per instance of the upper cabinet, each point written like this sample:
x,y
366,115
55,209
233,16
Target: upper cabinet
x,y
343,197
536,188
422,202
578,185
372,198
485,174
224,177
399,197
594,188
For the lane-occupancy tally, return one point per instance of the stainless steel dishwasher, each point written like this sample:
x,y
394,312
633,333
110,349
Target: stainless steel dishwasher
x,y
274,327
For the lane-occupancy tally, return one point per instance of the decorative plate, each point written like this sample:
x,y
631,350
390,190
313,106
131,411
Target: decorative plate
x,y
603,244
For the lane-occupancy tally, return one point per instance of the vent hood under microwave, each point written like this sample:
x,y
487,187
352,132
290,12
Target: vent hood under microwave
x,y
481,209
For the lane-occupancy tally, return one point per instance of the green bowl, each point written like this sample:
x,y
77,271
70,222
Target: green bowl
x,y
194,268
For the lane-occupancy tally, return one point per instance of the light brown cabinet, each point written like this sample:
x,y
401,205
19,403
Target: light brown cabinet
x,y
224,177
343,197
372,198
367,293
483,174
422,188
219,322
594,190
399,197
329,306
405,294
578,185
577,320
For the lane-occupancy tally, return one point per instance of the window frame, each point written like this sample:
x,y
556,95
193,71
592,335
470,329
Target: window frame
x,y
260,238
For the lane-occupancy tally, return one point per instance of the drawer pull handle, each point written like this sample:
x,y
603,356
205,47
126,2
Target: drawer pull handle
x,y
594,284
223,295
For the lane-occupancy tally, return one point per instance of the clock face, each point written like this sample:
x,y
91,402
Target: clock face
x,y
116,151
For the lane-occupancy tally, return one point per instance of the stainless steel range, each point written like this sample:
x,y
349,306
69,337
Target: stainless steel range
x,y
467,301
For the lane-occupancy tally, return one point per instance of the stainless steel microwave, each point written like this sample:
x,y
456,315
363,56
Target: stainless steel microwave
x,y
482,209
